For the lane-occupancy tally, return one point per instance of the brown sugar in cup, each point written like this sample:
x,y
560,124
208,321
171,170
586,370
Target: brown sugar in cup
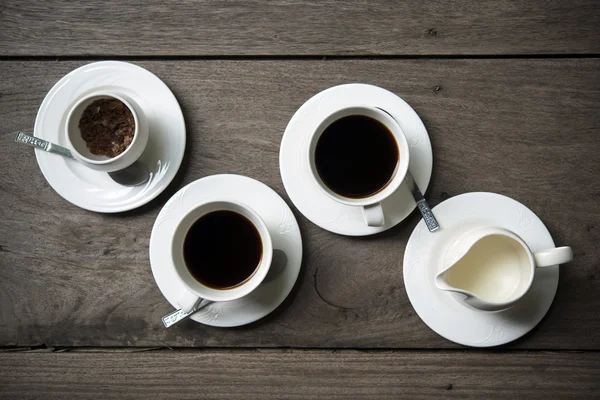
x,y
107,126
106,131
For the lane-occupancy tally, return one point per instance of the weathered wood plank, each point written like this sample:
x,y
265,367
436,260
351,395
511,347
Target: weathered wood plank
x,y
525,128
284,27
299,374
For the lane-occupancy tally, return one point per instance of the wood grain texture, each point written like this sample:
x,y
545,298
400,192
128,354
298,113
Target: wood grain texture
x,y
524,128
299,374
285,27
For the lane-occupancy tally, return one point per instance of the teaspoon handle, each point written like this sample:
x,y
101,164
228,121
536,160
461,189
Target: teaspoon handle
x,y
41,144
422,205
179,315
428,216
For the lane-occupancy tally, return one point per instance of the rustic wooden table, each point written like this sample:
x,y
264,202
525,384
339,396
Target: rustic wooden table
x,y
509,92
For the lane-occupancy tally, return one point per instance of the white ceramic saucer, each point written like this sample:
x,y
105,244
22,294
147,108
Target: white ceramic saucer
x,y
93,190
284,233
303,190
447,315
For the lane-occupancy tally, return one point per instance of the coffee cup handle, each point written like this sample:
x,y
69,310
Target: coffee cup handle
x,y
373,214
187,301
547,258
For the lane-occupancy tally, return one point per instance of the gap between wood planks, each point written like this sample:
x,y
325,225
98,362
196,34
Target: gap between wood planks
x,y
45,349
315,57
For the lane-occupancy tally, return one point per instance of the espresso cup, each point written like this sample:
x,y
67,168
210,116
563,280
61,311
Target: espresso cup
x,y
493,268
193,289
373,211
79,148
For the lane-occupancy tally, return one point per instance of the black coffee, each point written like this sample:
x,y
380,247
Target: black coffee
x,y
222,249
356,156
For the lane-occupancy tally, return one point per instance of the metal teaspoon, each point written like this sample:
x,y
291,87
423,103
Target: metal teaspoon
x,y
134,175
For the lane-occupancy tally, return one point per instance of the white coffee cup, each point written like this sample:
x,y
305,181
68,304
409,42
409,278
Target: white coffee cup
x,y
371,205
493,268
193,289
79,148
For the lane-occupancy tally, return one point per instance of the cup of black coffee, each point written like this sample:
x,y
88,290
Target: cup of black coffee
x,y
359,156
221,251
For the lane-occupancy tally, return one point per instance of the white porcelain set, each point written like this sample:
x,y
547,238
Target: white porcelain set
x,y
487,265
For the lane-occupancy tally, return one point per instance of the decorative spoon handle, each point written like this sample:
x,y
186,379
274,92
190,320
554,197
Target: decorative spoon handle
x,y
422,205
174,317
41,144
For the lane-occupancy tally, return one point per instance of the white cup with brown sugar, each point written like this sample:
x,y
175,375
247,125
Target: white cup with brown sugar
x,y
106,132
